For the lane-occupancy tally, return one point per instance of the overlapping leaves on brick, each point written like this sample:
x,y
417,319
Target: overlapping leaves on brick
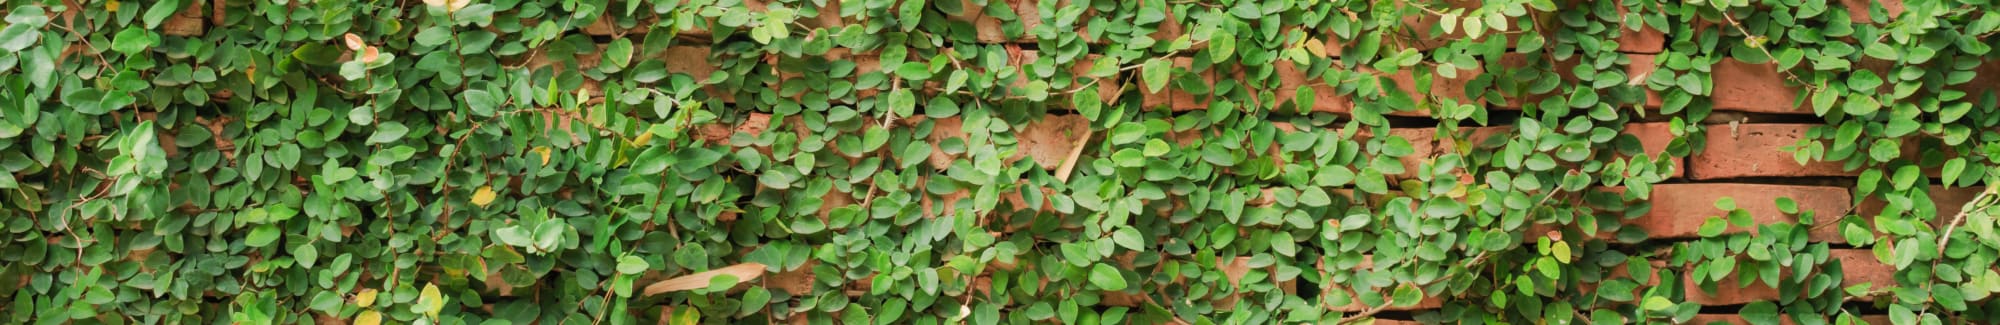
x,y
976,161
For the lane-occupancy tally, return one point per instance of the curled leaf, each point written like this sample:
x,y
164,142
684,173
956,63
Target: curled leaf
x,y
354,42
742,272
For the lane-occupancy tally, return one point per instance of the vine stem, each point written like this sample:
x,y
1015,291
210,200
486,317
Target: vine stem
x,y
1767,52
1945,237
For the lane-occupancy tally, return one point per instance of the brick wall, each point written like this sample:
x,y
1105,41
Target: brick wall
x,y
1756,117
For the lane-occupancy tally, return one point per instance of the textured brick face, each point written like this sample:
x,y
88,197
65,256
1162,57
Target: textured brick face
x,y
1756,150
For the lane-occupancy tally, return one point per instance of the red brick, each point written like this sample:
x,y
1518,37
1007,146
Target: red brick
x,y
1645,40
1678,210
1050,140
1757,88
1857,10
186,23
1173,97
1654,138
1858,266
1752,150
1325,98
989,28
606,25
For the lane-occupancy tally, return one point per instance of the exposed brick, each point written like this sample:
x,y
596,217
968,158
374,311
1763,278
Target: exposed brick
x,y
1325,98
1449,88
1752,150
1106,89
1049,141
1858,266
1173,97
1645,40
990,28
1857,10
606,25
690,60
796,282
941,130
1757,88
1678,210
186,23
1654,138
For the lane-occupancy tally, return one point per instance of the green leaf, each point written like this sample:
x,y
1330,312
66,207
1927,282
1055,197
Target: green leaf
x,y
722,282
159,11
1906,177
902,102
17,37
1690,84
1283,244
1129,238
132,40
1155,73
1760,313
262,236
917,71
306,255
388,132
694,158
1221,46
632,265
1712,227
1787,205
1104,276
1407,295
619,52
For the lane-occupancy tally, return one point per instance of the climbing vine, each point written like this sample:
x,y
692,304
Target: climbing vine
x,y
978,161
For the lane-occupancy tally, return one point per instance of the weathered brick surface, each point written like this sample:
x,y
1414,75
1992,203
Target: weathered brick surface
x,y
187,23
990,28
1858,10
1757,88
1678,210
1754,150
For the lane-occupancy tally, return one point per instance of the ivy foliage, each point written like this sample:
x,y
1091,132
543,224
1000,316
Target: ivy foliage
x,y
978,161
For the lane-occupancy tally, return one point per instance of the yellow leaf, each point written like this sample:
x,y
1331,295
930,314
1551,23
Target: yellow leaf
x,y
430,296
111,6
368,318
365,298
448,5
484,196
545,154
642,139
